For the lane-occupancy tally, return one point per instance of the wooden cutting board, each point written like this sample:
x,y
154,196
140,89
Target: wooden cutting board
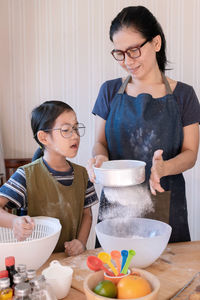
x,y
175,267
77,263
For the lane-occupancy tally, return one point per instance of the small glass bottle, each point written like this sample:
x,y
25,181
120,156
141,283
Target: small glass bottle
x,y
41,289
21,269
6,293
22,291
17,278
3,273
30,274
10,267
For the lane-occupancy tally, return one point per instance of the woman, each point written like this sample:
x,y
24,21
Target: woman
x,y
148,116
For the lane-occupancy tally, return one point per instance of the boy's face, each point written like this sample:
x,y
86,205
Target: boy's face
x,y
59,141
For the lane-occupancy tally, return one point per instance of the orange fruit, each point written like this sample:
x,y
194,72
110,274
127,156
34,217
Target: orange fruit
x,y
106,288
133,286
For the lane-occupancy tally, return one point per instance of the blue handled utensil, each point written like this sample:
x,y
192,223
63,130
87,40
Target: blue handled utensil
x,y
131,253
124,254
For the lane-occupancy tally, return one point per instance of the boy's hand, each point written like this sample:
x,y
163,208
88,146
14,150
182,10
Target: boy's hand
x,y
74,247
22,227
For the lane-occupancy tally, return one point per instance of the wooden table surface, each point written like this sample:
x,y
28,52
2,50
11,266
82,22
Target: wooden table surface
x,y
175,267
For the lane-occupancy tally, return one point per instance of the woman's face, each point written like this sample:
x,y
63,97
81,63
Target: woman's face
x,y
140,67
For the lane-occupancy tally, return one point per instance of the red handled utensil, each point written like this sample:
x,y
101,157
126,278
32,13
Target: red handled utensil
x,y
95,264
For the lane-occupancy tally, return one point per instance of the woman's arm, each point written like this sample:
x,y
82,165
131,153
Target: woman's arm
x,y
100,146
180,163
77,246
188,156
100,152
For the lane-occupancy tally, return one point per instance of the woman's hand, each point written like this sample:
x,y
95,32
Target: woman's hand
x,y
157,171
74,247
97,162
22,227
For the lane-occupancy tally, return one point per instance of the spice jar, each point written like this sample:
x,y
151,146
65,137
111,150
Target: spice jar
x,y
6,292
41,289
22,291
30,274
21,269
17,278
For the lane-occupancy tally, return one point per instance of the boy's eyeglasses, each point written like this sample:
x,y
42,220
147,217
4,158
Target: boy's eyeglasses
x,y
67,130
119,55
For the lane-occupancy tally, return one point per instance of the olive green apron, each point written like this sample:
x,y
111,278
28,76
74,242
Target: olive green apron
x,y
47,197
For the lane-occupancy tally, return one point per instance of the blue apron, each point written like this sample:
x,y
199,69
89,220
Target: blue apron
x,y
138,126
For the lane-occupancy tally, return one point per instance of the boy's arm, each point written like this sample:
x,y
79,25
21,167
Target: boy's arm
x,y
22,226
85,226
77,246
6,219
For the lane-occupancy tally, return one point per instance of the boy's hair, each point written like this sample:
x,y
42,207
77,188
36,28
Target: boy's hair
x,y
44,116
141,19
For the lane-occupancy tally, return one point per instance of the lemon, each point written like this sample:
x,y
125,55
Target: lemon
x,y
106,288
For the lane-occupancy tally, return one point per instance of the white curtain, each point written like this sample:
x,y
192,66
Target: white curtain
x,y
2,166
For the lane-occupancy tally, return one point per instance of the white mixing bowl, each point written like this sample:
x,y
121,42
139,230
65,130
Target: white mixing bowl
x,y
147,237
35,250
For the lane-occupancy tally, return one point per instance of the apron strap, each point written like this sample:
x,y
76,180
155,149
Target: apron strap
x,y
167,86
126,81
124,84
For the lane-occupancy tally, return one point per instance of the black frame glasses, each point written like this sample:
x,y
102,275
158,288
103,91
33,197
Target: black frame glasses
x,y
67,130
132,52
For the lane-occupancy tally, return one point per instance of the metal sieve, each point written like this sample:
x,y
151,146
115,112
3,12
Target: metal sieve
x,y
120,173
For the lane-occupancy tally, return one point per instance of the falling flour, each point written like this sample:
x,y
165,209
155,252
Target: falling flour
x,y
131,201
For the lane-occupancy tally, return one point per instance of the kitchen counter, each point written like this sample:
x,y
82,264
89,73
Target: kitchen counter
x,y
175,267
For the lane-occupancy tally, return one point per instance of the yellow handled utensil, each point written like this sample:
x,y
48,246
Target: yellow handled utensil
x,y
106,259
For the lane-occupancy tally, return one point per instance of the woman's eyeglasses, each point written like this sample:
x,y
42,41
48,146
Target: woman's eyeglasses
x,y
119,55
67,130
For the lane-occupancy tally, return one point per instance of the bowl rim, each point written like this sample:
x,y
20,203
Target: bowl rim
x,y
168,227
38,220
123,275
143,272
141,164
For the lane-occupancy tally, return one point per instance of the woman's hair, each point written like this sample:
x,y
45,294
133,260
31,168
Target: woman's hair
x,y
44,116
141,19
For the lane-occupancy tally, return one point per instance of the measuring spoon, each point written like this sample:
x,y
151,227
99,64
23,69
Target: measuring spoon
x,y
131,253
106,259
124,254
95,264
116,256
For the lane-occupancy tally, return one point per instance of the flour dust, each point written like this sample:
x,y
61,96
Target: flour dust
x,y
131,201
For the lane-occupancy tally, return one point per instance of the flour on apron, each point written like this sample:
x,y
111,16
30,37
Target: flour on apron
x,y
136,127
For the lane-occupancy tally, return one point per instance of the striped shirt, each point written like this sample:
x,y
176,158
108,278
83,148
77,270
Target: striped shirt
x,y
15,188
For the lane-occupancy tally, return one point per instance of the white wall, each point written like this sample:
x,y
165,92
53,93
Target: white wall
x,y
59,49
